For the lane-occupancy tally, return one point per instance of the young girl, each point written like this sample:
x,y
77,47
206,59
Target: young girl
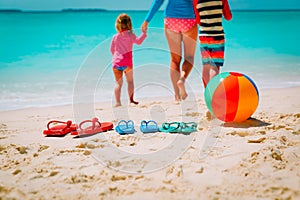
x,y
121,49
209,14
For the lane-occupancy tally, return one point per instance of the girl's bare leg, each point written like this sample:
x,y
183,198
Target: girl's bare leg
x,y
117,91
130,84
214,72
206,74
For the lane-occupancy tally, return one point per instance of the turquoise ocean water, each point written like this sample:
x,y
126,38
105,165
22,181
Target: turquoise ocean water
x,y
44,56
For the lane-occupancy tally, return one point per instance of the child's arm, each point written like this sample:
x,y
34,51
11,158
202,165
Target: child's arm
x,y
195,2
226,10
140,39
112,46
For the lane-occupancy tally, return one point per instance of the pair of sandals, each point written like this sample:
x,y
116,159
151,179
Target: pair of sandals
x,y
127,127
62,128
179,127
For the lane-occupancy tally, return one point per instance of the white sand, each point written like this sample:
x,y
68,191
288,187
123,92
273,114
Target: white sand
x,y
257,159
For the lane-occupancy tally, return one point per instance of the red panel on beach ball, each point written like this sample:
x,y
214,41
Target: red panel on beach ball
x,y
236,74
225,99
231,97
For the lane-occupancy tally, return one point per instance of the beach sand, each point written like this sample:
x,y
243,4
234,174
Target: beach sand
x,y
256,159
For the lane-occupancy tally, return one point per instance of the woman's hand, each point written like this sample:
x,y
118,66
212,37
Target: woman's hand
x,y
145,26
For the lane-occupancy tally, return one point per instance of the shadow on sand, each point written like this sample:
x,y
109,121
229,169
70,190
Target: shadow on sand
x,y
251,122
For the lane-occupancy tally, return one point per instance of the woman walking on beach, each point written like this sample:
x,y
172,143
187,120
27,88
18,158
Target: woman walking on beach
x,y
211,35
121,49
180,30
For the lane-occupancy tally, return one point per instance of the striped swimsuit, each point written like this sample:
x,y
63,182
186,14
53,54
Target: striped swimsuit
x,y
211,32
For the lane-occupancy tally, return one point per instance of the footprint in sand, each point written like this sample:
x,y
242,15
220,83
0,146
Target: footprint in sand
x,y
262,132
22,149
17,171
276,154
239,133
118,178
2,148
128,140
174,172
3,126
259,140
53,173
42,148
3,131
254,157
79,178
199,171
192,114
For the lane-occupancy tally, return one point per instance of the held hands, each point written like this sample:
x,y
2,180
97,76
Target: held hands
x,y
145,26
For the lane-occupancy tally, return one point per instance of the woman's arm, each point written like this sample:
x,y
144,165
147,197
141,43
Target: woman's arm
x,y
154,8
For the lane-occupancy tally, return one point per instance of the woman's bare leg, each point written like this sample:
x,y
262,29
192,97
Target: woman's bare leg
x,y
174,40
189,48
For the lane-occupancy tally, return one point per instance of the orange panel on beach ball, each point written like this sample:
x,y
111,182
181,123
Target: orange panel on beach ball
x,y
248,100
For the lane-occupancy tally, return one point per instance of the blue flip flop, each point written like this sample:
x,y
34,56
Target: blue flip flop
x,y
125,127
148,126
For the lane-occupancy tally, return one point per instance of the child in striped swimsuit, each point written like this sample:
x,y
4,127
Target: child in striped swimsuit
x,y
211,35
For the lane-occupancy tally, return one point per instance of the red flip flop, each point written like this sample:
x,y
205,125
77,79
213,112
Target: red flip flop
x,y
96,127
60,130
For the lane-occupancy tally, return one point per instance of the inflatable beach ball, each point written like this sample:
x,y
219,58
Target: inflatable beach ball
x,y
231,97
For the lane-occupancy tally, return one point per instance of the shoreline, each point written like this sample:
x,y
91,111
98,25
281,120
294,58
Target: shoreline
x,y
141,100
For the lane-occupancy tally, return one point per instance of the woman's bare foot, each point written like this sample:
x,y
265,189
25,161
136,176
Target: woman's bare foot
x,y
181,87
118,104
177,100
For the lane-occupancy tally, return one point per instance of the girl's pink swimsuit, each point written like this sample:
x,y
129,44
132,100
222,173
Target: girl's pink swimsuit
x,y
121,47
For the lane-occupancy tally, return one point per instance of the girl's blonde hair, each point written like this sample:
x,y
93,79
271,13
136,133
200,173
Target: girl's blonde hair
x,y
123,22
